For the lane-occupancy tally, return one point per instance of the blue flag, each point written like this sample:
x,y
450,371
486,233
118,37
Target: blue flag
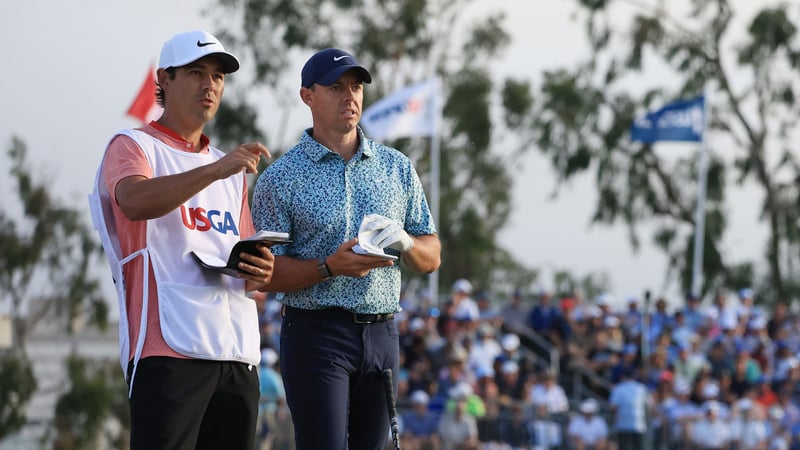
x,y
682,120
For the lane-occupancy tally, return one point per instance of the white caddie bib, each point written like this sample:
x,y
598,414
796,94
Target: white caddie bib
x,y
203,314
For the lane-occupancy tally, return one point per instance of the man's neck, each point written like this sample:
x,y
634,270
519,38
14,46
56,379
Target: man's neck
x,y
346,145
188,131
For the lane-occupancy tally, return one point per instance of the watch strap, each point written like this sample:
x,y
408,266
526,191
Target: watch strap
x,y
322,267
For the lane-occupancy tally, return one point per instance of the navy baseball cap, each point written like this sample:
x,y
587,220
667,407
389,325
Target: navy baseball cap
x,y
326,66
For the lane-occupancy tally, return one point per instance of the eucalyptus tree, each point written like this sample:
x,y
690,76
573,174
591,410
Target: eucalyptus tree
x,y
46,253
645,53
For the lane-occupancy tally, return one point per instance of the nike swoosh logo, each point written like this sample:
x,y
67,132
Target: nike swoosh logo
x,y
337,58
203,44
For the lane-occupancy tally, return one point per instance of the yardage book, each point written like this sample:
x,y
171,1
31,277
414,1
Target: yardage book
x,y
248,245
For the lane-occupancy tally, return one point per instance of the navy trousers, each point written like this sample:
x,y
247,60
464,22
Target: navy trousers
x,y
331,368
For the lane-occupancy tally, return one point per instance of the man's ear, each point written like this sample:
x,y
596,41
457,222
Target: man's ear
x,y
305,95
162,77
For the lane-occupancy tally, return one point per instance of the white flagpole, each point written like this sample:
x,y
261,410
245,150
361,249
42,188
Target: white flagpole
x,y
700,211
433,278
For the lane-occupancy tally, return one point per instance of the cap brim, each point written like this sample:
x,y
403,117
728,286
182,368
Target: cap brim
x,y
229,62
331,77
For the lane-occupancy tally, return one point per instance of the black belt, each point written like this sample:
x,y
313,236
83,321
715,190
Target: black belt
x,y
339,314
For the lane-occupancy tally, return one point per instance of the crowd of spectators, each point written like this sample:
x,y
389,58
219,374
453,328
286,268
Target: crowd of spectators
x,y
717,376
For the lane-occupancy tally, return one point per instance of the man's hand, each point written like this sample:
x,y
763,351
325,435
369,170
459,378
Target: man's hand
x,y
391,234
257,270
244,157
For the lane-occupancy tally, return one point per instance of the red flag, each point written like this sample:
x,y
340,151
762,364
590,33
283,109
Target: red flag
x,y
144,106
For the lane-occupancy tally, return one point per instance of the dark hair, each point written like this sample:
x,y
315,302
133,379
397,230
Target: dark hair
x,y
160,92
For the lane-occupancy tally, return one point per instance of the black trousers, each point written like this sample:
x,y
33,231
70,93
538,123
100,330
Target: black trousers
x,y
186,404
331,368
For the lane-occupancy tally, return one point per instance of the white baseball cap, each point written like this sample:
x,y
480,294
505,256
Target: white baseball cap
x,y
462,285
681,387
611,321
420,397
417,323
776,413
589,406
510,342
745,404
189,46
711,406
710,391
484,371
460,390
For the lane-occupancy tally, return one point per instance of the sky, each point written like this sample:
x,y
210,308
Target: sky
x,y
72,69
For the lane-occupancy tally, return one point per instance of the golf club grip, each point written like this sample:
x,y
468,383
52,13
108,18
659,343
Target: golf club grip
x,y
388,388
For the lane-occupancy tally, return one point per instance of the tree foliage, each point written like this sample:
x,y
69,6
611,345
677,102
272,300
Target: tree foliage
x,y
581,118
46,253
17,385
45,257
95,396
404,41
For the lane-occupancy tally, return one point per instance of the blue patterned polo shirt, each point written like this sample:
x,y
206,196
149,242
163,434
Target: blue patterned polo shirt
x,y
311,193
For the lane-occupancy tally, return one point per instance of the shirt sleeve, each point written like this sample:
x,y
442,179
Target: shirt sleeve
x,y
124,158
419,219
270,208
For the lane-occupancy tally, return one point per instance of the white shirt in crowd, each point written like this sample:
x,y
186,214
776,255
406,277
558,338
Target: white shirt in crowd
x,y
551,395
546,434
630,400
589,429
467,309
751,434
679,414
711,433
483,352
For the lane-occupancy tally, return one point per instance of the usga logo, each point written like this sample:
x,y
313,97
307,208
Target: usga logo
x,y
201,220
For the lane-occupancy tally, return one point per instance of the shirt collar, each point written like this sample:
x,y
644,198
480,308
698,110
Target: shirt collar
x,y
317,151
204,140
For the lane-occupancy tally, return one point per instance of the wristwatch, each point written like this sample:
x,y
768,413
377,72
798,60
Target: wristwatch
x,y
324,271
